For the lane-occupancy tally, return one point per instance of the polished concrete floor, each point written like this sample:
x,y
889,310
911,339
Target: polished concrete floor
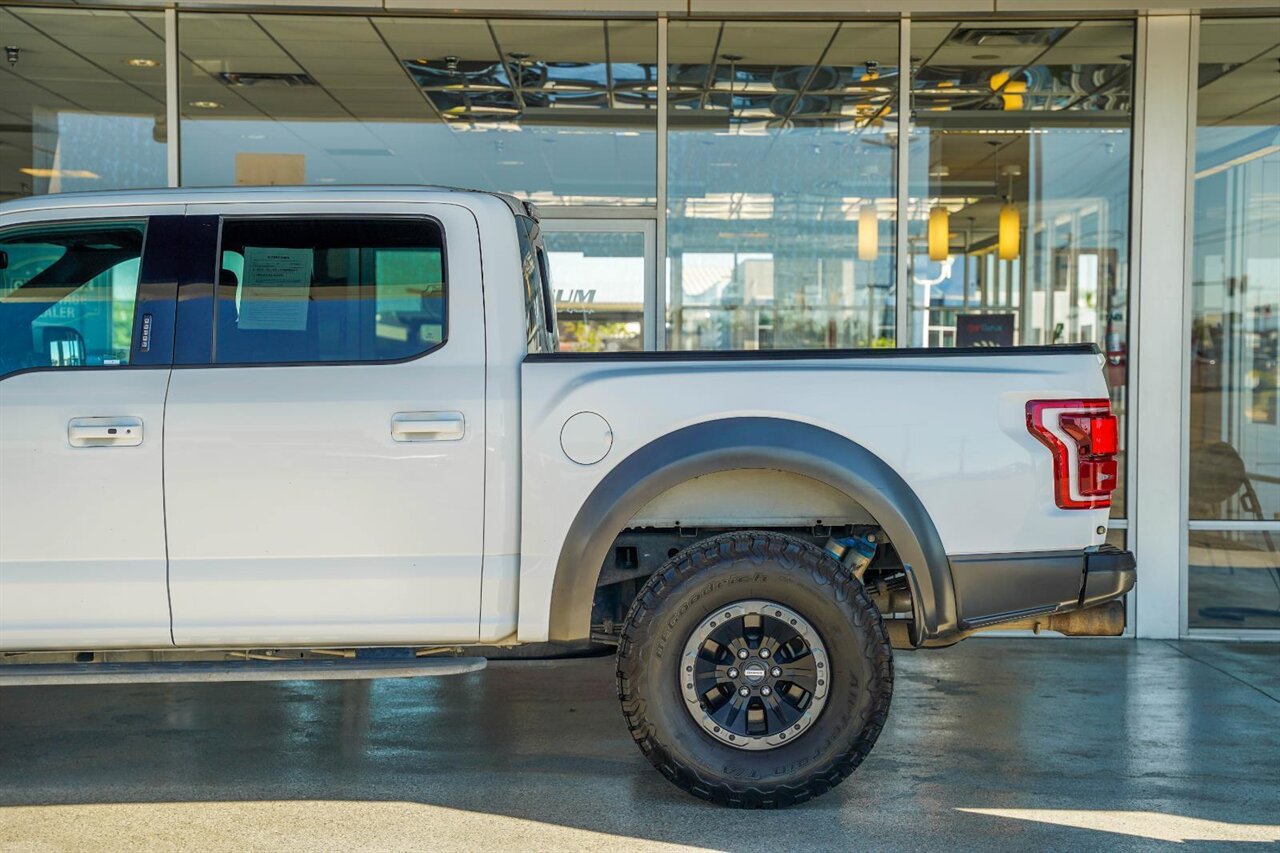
x,y
993,744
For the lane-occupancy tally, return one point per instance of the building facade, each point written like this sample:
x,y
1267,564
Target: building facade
x,y
718,175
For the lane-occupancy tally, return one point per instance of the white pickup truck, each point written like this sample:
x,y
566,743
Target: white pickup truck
x,y
325,433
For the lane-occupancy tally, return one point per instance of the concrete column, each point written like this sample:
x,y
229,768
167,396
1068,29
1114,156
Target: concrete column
x,y
1159,330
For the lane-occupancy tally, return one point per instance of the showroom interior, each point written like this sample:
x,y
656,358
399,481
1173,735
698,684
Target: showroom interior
x,y
720,176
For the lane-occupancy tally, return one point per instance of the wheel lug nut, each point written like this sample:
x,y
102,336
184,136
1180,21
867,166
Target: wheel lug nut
x,y
776,671
742,691
765,691
742,653
733,673
764,653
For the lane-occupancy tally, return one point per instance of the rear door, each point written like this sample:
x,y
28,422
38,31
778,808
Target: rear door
x,y
86,334
324,446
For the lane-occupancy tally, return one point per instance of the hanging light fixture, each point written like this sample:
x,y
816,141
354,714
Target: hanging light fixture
x,y
868,233
1011,91
1009,222
1010,226
1010,232
939,233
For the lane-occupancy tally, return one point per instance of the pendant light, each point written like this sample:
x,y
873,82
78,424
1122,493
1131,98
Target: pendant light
x,y
1011,91
1010,232
1009,222
939,233
868,233
1010,225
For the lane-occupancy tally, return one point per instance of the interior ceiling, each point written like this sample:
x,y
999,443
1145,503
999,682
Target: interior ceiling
x,y
378,67
736,76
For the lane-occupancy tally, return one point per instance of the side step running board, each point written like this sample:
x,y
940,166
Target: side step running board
x,y
35,674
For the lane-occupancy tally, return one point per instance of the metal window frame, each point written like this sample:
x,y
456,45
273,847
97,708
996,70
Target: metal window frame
x,y
659,278
656,216
172,98
1189,524
642,225
902,283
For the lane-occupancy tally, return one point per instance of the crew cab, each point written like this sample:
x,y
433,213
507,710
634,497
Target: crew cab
x,y
326,433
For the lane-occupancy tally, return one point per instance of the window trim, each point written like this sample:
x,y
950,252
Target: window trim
x,y
549,301
144,257
550,329
212,277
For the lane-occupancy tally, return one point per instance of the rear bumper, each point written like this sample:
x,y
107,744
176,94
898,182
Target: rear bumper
x,y
1108,574
995,588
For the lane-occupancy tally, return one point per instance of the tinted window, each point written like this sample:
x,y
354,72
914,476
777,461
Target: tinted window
x,y
329,290
548,304
67,294
531,273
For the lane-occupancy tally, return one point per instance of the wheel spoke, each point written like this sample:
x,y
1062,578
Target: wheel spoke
x,y
779,712
727,714
712,677
737,645
803,673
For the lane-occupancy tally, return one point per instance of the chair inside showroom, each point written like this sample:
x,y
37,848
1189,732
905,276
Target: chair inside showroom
x,y
1218,477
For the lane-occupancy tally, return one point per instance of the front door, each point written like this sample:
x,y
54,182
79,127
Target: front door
x,y
86,331
324,447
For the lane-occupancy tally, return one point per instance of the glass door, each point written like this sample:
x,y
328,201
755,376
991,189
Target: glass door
x,y
1233,386
602,275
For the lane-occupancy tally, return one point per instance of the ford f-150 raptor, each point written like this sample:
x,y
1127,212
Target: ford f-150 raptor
x,y
326,433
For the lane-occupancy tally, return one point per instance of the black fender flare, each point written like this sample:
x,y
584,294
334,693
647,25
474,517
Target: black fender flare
x,y
753,443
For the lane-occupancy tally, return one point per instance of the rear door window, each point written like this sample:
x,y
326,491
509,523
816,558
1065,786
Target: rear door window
x,y
313,291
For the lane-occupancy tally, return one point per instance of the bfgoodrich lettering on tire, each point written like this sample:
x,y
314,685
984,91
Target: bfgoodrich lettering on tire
x,y
754,671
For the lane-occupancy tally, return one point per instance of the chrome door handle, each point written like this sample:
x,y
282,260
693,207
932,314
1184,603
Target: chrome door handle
x,y
105,432
428,426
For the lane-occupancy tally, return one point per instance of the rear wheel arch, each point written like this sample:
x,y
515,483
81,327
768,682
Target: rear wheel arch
x,y
751,442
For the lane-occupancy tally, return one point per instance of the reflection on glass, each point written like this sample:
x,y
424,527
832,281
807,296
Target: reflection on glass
x,y
1019,188
599,283
1235,276
559,112
780,193
67,294
1233,579
82,102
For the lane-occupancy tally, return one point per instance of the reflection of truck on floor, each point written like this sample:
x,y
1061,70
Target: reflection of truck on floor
x,y
268,434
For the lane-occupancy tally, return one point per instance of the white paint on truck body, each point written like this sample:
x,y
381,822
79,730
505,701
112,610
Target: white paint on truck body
x,y
273,504
953,428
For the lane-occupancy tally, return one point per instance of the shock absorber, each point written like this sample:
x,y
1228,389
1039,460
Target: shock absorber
x,y
855,552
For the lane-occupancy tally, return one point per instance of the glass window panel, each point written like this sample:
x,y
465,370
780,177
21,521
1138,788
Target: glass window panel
x,y
1235,275
1233,579
1018,221
82,102
298,291
560,112
781,199
598,278
67,294
537,302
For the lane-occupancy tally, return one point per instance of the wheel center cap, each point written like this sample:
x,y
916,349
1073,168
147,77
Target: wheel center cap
x,y
755,672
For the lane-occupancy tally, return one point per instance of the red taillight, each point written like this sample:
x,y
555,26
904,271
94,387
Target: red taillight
x,y
1084,475
1095,435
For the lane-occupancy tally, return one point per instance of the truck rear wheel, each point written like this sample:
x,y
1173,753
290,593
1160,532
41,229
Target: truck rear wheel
x,y
754,670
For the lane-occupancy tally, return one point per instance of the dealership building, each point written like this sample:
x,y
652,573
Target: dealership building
x,y
725,175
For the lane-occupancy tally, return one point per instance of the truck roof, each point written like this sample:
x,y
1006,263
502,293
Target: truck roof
x,y
355,192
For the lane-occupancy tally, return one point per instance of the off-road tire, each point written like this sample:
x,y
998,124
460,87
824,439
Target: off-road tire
x,y
714,574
